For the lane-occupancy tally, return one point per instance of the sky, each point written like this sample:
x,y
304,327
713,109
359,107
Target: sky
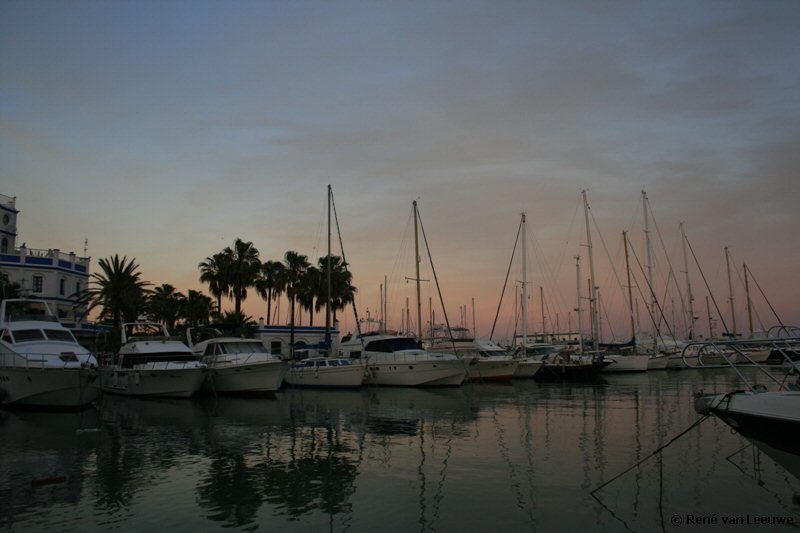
x,y
163,131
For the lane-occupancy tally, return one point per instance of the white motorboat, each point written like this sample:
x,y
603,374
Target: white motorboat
x,y
394,360
493,363
770,420
41,363
328,372
151,363
237,365
485,360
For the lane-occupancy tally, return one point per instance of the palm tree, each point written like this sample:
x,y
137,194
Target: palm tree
x,y
296,265
271,283
196,308
165,305
342,290
214,271
311,289
244,268
118,288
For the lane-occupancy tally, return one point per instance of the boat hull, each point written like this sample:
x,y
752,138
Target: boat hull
x,y
528,368
492,369
627,363
403,372
157,382
48,387
769,420
657,362
258,377
350,376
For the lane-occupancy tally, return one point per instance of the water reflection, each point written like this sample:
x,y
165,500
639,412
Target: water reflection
x,y
518,456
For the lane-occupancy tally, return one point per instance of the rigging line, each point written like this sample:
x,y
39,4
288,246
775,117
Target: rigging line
x,y
345,266
560,263
660,238
608,319
702,275
505,283
657,451
655,298
765,298
438,289
608,255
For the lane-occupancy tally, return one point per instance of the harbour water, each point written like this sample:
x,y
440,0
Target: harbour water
x,y
523,456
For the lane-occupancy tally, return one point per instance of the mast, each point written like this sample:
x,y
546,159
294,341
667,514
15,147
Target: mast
x,y
749,302
730,292
541,299
652,306
578,309
416,261
595,319
689,294
630,287
524,289
328,281
474,328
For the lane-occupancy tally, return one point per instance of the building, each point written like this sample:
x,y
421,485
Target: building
x,y
49,274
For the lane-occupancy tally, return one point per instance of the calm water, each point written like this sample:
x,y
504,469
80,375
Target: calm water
x,y
515,457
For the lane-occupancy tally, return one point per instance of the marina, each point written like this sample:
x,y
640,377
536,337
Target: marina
x,y
518,456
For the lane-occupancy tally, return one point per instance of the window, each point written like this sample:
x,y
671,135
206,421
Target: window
x,y
275,347
77,287
38,284
62,286
59,335
23,335
4,245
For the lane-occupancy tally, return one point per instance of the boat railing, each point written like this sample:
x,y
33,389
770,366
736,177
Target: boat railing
x,y
41,361
145,361
737,348
258,357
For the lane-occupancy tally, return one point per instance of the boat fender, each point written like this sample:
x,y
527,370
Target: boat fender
x,y
136,379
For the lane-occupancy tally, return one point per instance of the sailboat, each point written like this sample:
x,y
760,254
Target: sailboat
x,y
624,359
580,366
401,360
326,371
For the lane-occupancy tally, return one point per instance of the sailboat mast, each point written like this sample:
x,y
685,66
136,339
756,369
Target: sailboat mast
x,y
749,302
544,326
730,291
328,281
524,288
630,287
578,309
595,319
416,261
652,306
689,294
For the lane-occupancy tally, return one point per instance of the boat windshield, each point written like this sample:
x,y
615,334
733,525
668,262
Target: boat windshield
x,y
59,335
393,345
244,347
27,335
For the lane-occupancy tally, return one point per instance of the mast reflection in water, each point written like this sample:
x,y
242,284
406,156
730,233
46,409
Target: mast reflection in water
x,y
507,457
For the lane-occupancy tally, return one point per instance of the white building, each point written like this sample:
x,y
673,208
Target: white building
x,y
49,274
